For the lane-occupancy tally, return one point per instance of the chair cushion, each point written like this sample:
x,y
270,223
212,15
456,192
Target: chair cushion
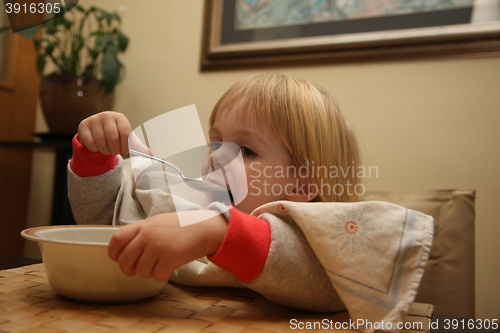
x,y
448,281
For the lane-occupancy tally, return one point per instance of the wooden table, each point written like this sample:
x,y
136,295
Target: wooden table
x,y
28,304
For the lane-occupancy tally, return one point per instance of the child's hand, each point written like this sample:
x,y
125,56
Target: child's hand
x,y
106,132
157,246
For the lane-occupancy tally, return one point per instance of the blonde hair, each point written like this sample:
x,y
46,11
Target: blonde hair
x,y
306,119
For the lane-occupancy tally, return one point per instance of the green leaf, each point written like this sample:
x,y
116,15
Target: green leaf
x,y
51,47
72,61
116,17
122,40
78,44
40,63
37,43
51,26
110,70
105,16
100,43
67,24
89,71
80,9
93,54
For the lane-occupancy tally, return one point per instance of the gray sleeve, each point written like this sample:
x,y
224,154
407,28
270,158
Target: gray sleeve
x,y
93,199
292,274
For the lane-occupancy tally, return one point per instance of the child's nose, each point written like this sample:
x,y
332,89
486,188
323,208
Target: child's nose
x,y
227,167
222,154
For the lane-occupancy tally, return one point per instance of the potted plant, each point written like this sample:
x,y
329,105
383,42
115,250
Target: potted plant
x,y
77,59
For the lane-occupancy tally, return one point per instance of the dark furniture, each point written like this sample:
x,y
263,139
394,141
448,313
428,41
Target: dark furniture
x,y
61,145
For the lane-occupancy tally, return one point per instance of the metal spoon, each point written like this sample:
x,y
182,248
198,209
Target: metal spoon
x,y
197,184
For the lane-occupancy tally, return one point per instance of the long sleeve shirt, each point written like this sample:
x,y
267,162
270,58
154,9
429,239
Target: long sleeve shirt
x,y
365,257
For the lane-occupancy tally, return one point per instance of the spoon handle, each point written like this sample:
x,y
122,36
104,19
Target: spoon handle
x,y
157,159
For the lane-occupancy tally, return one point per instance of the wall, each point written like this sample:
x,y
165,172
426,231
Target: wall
x,y
425,124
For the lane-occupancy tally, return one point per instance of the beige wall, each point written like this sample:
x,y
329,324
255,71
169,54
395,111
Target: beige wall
x,y
425,124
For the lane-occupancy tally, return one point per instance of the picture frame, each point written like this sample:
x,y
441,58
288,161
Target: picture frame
x,y
417,35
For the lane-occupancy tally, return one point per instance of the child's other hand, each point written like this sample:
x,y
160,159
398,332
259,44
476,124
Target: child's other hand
x,y
106,132
157,246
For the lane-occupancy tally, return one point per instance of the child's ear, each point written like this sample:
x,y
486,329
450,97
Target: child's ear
x,y
303,193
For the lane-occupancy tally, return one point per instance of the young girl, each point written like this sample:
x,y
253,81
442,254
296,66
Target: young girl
x,y
298,238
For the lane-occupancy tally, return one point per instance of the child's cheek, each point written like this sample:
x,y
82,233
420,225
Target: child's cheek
x,y
254,179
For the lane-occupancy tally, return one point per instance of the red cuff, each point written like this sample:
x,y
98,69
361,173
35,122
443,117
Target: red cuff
x,y
88,164
244,250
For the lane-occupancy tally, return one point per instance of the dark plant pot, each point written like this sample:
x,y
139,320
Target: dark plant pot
x,y
67,100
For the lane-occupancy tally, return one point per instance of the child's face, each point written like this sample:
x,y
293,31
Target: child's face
x,y
264,156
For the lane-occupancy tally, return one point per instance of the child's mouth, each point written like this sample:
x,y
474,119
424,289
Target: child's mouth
x,y
223,197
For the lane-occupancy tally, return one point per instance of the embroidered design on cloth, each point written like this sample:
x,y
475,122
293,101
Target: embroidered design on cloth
x,y
373,252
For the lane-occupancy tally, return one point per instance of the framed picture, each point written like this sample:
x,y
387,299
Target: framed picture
x,y
259,33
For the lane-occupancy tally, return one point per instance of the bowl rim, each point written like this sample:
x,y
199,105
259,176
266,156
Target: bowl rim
x,y
31,233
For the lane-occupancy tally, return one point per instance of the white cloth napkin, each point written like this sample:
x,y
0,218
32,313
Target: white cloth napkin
x,y
373,252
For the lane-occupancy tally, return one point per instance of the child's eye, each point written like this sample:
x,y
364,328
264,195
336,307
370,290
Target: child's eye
x,y
247,151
